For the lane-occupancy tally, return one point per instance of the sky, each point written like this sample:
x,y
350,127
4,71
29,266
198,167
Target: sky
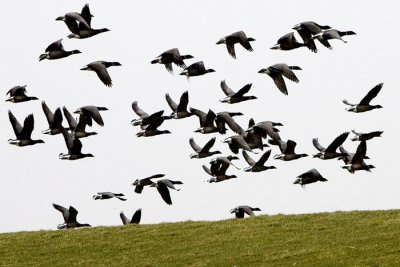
x,y
32,178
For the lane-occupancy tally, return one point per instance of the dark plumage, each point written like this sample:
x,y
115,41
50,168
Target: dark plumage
x,y
69,216
288,152
287,42
78,128
108,195
74,146
221,164
234,38
196,69
235,97
179,111
277,71
171,56
139,184
306,30
257,166
241,210
152,129
162,187
202,152
17,94
329,34
56,51
74,21
309,177
226,118
365,136
364,105
54,120
237,142
100,67
330,151
23,134
219,174
91,112
135,218
356,162
146,119
207,124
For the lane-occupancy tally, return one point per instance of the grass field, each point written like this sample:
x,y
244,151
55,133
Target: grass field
x,y
366,238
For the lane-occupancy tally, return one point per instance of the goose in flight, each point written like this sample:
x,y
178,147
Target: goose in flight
x,y
364,104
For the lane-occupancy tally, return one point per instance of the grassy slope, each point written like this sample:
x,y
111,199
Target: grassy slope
x,y
327,239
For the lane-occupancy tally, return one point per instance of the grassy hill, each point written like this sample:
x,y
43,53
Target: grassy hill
x,y
367,238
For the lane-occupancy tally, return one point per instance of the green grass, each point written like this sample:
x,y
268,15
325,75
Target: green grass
x,y
367,238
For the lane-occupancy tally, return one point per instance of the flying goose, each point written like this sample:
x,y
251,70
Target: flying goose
x,y
162,187
287,42
135,218
18,94
276,72
306,30
364,103
23,134
241,210
74,146
108,195
365,136
219,174
309,177
236,37
74,21
202,152
348,160
267,128
356,162
171,56
220,162
257,166
100,67
146,119
206,122
179,111
329,34
330,151
56,51
235,97
54,120
139,184
236,142
78,128
91,112
196,69
288,152
152,129
69,216
226,118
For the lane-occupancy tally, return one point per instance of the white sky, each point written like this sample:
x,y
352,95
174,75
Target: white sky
x,y
32,178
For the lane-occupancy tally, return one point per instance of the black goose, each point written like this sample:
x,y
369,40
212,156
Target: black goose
x,y
287,42
206,122
69,216
24,133
54,120
152,129
234,38
226,118
219,174
364,105
365,136
179,111
257,166
135,218
235,97
139,184
100,67
108,195
241,210
18,94
355,162
309,177
171,56
146,119
288,152
267,128
74,146
237,142
326,35
56,51
202,152
277,71
330,151
91,112
78,128
162,187
218,162
253,139
74,21
306,30
86,32
196,69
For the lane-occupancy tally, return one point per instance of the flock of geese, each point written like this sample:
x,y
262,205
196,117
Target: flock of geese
x,y
256,136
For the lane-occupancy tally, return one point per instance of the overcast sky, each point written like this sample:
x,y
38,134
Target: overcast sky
x,y
32,178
